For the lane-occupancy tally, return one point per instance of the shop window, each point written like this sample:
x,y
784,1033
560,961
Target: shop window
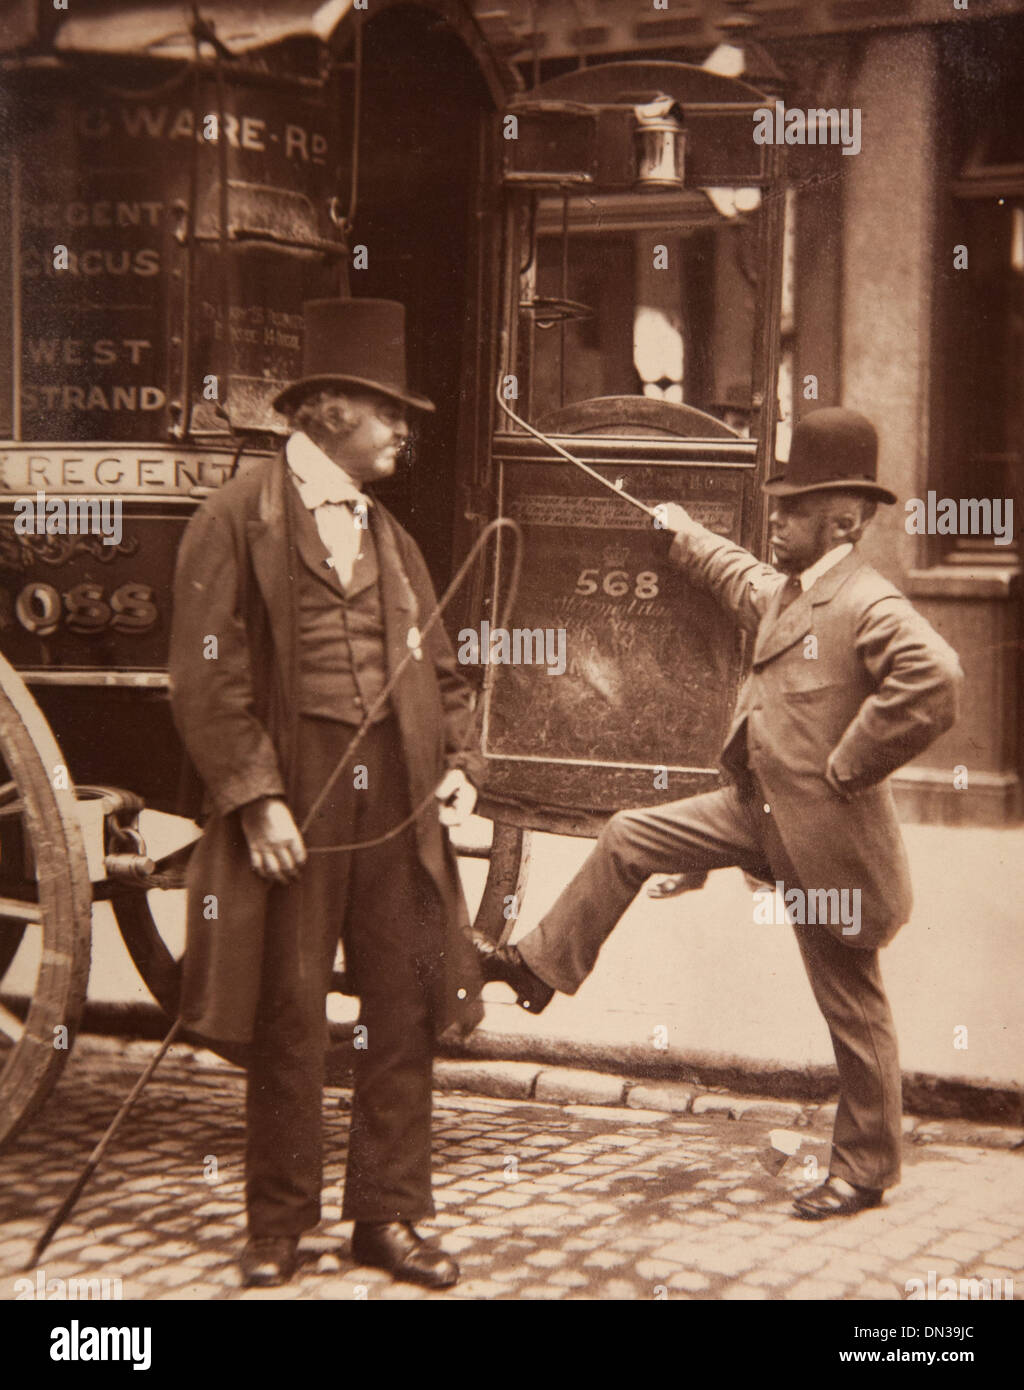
x,y
982,374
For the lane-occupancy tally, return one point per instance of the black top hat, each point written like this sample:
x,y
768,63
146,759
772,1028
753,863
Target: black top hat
x,y
832,450
352,342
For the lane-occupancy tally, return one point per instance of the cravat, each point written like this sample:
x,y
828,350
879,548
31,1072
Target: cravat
x,y
341,529
349,499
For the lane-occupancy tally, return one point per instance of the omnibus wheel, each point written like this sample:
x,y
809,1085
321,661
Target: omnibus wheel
x,y
159,965
45,908
158,961
508,866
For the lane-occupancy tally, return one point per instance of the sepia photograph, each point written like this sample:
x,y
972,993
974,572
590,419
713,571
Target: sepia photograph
x,y
511,665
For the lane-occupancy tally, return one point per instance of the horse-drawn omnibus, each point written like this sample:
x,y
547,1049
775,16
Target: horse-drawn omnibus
x,y
594,259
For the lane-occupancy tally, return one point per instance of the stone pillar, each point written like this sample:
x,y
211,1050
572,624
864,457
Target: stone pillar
x,y
888,272
889,268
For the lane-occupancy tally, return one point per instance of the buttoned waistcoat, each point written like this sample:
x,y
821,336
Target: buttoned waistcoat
x,y
342,661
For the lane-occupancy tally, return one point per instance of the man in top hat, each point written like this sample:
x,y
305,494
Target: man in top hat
x,y
847,684
297,597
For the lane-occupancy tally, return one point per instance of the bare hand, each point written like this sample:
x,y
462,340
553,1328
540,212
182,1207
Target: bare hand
x,y
457,796
670,516
841,788
276,849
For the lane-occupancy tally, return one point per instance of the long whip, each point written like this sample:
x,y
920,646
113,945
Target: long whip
x,y
571,458
490,529
92,1163
439,608
70,1201
452,588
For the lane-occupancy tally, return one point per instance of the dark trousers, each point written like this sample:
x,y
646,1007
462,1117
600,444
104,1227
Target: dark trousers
x,y
714,831
384,906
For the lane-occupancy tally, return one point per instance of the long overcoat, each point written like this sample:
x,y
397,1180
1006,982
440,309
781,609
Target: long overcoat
x,y
847,678
233,665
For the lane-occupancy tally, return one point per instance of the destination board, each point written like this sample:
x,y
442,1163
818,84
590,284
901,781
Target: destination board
x,y
650,662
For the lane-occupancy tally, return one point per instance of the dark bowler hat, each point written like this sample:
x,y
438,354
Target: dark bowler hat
x,y
353,342
832,450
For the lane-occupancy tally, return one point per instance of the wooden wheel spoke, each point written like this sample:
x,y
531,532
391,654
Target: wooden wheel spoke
x,y
502,899
12,1029
11,933
18,910
57,909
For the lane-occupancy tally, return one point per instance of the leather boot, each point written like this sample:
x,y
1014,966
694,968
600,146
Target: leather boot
x,y
268,1261
396,1247
506,964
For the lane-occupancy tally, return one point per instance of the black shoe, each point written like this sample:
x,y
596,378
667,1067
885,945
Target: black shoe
x,y
268,1261
506,964
829,1200
395,1246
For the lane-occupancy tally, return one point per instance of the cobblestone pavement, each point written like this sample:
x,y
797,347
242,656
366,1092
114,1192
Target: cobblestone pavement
x,y
537,1201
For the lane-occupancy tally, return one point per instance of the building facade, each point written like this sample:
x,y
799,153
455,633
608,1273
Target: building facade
x,y
903,280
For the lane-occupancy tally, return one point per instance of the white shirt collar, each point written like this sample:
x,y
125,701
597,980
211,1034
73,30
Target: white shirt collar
x,y
319,480
828,561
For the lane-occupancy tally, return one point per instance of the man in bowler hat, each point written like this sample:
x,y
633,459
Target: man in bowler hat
x,y
297,596
818,727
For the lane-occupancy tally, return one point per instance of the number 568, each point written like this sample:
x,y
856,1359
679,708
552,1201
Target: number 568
x,y
616,583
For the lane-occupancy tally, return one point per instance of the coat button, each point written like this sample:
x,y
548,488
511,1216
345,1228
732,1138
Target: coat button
x,y
768,809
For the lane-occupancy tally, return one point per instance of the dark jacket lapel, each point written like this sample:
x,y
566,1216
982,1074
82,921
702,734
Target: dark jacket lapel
x,y
267,536
309,547
401,611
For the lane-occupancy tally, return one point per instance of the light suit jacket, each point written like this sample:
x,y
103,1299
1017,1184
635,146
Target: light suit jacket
x,y
872,689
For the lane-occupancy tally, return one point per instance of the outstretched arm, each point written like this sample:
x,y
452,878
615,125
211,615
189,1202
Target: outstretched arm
x,y
741,583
